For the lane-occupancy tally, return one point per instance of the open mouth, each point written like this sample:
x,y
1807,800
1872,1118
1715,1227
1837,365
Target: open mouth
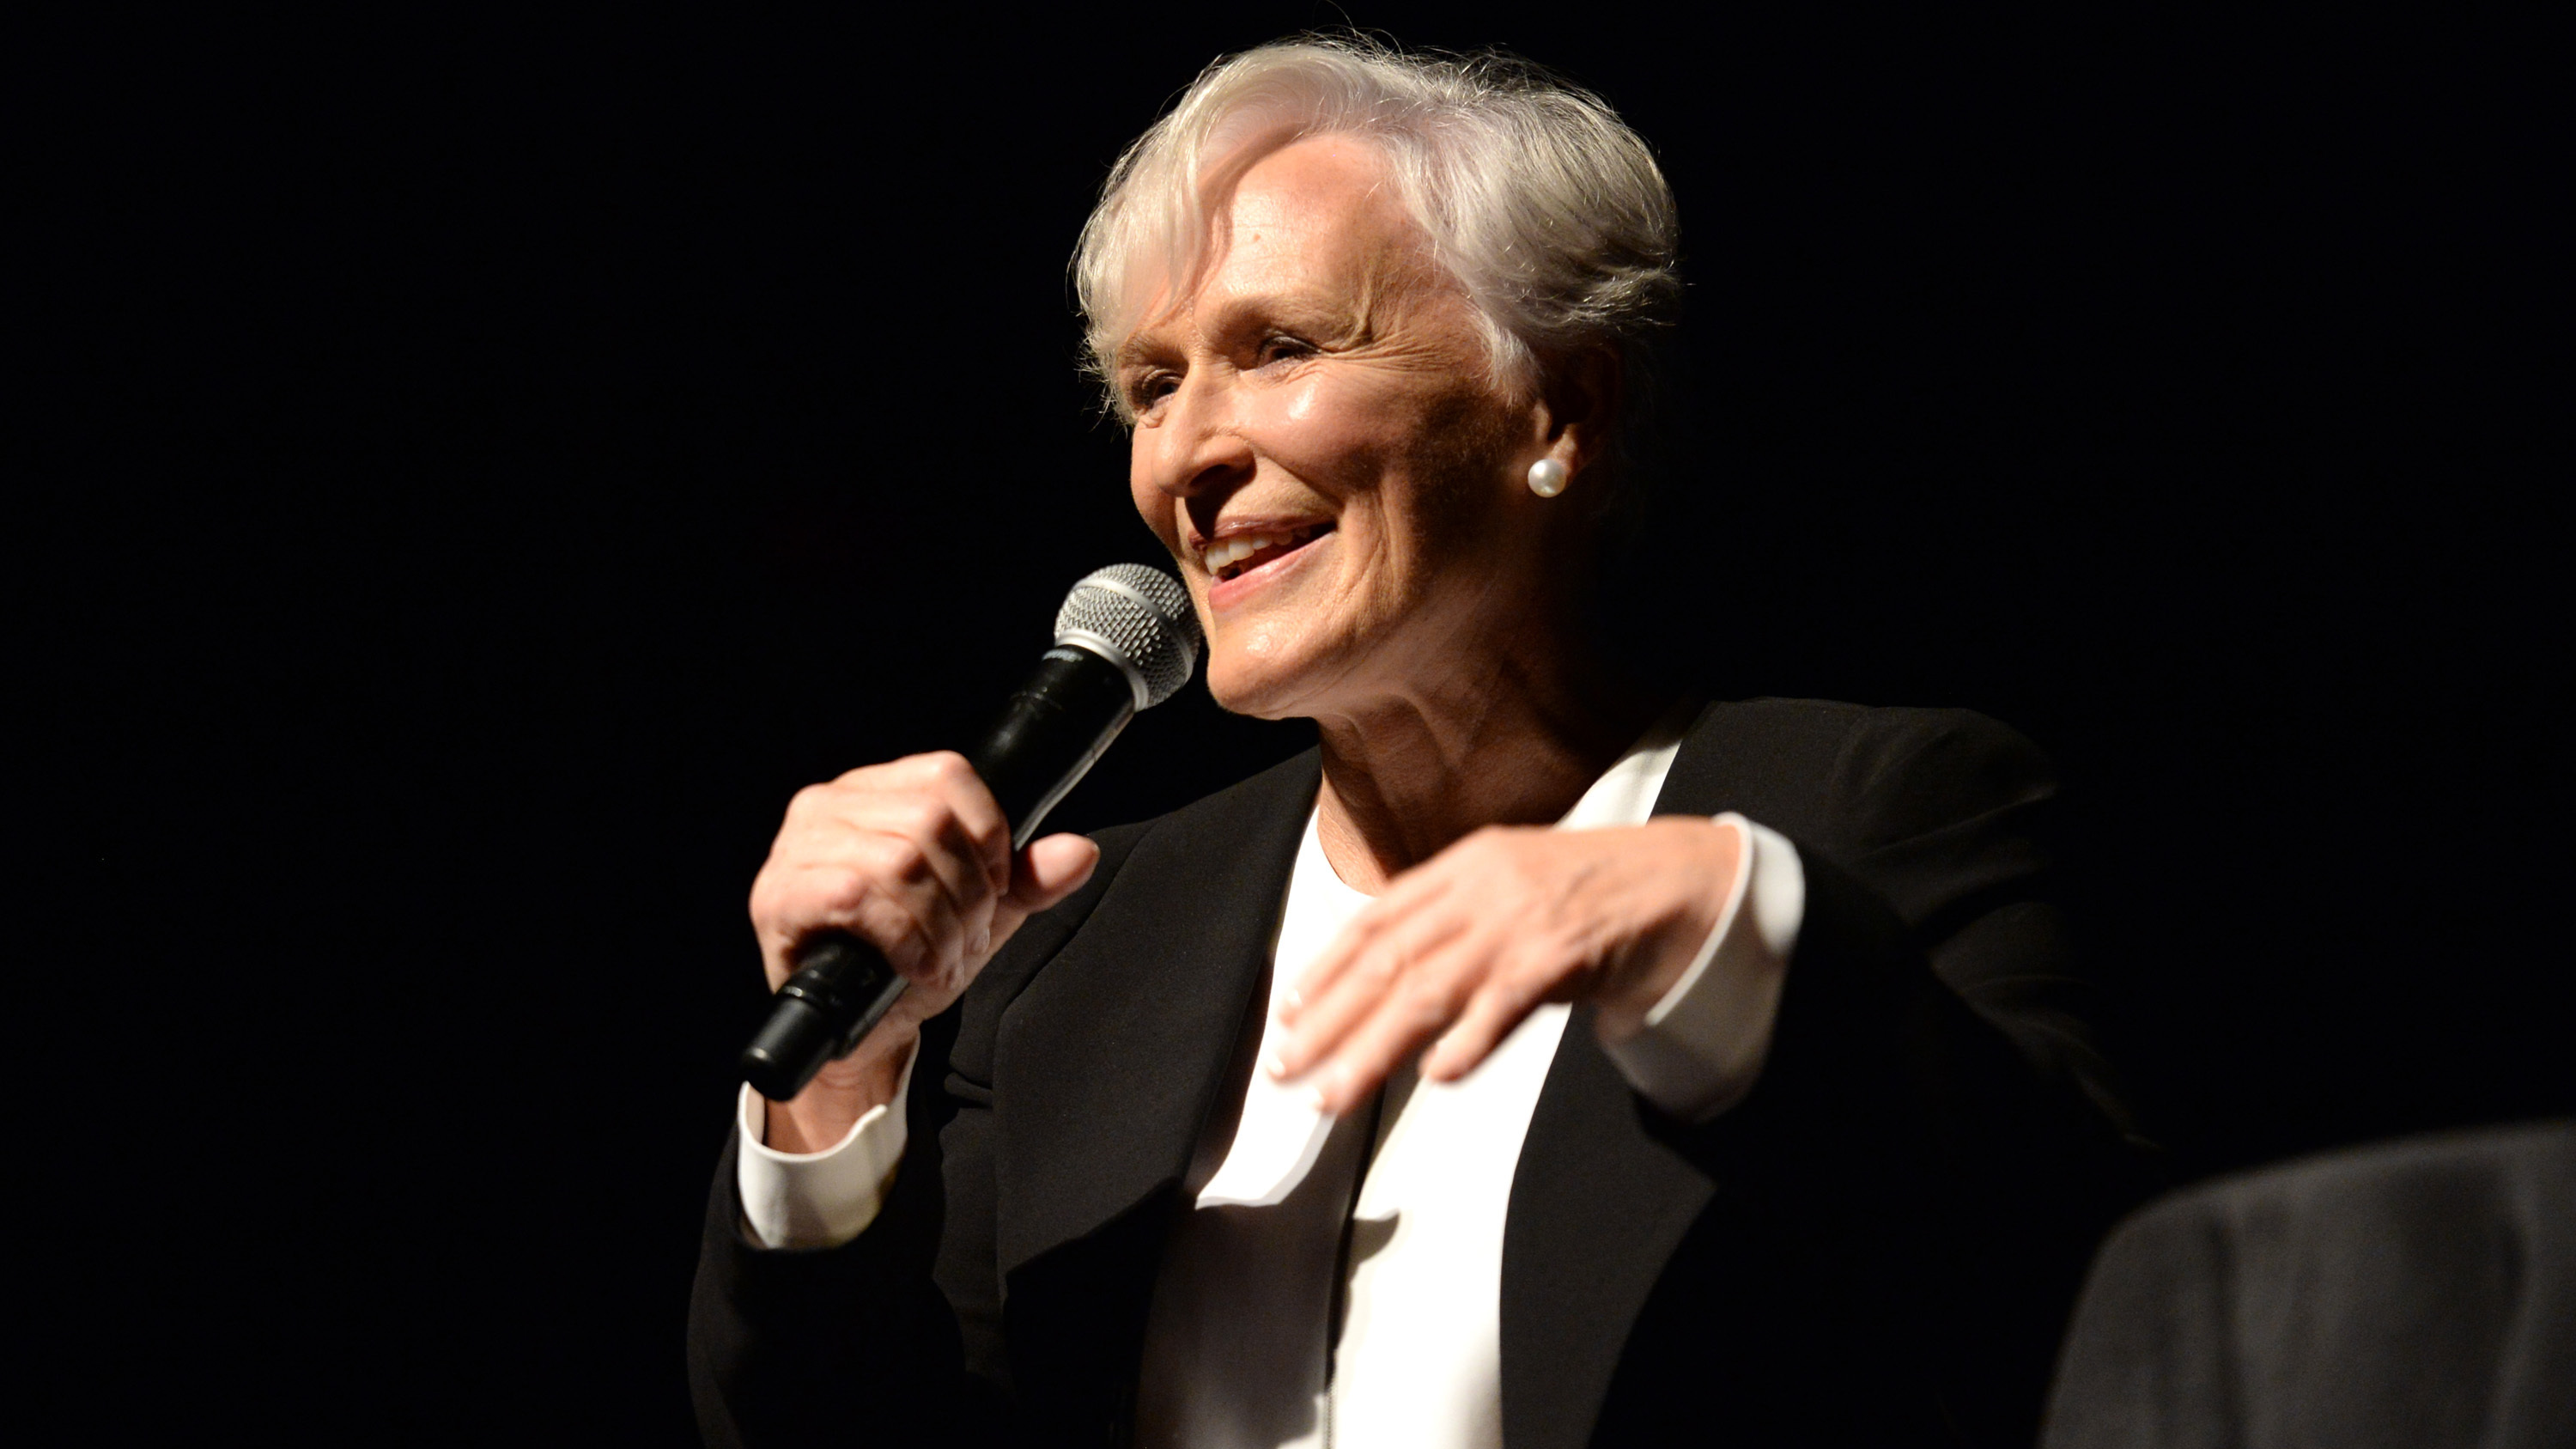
x,y
1234,557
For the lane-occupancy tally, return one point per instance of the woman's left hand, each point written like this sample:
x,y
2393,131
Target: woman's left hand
x,y
1461,948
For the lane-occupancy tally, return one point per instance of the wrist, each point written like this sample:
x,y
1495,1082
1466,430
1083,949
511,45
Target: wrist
x,y
820,1117
1710,860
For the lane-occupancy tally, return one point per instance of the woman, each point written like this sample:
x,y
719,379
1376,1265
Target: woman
x,y
1537,1061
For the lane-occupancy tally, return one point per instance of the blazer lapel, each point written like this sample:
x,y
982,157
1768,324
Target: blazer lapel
x,y
1597,1207
1598,1204
1107,1065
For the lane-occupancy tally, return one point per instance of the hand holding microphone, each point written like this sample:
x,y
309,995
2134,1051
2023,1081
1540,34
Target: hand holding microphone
x,y
888,889
913,859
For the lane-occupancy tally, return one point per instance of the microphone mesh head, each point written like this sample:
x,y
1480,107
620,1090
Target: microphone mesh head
x,y
1142,616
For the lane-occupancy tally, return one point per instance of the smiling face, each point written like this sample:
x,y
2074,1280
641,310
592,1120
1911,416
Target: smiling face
x,y
1319,442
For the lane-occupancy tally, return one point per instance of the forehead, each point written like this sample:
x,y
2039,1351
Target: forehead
x,y
1322,198
1317,220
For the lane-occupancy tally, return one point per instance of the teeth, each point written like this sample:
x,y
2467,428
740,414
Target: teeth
x,y
1226,553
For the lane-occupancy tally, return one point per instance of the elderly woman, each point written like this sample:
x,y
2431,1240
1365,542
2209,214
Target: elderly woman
x,y
1535,1062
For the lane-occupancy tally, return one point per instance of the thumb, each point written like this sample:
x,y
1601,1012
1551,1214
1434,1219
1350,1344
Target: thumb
x,y
1051,869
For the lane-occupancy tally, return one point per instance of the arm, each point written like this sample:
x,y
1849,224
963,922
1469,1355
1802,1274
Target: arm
x,y
1927,1129
1700,1047
891,1335
1683,930
848,1339
849,1344
1933,945
1919,1166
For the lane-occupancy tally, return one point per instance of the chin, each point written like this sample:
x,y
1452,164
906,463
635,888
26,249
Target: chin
x,y
1282,664
1249,691
1248,683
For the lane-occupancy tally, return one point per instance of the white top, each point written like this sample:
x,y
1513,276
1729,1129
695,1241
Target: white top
x,y
1239,1338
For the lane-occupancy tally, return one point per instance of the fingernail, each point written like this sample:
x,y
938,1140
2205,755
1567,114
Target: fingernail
x,y
1314,1099
1293,999
1275,1064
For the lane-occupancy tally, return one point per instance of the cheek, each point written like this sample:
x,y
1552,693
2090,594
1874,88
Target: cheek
x,y
1328,430
1301,404
1152,504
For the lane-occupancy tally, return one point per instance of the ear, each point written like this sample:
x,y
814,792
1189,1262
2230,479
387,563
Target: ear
x,y
1578,408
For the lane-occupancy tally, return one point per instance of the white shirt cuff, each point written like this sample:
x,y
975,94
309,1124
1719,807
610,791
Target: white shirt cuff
x,y
818,1199
1704,1042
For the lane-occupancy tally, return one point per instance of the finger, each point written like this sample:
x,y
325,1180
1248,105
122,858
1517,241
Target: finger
x,y
1052,869
1494,1012
898,860
1382,967
1049,870
1418,1009
1412,895
919,931
978,817
946,775
949,843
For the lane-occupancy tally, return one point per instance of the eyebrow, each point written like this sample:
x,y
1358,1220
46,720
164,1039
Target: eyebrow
x,y
1284,308
1135,351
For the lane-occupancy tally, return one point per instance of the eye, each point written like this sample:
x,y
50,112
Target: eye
x,y
1280,347
1151,388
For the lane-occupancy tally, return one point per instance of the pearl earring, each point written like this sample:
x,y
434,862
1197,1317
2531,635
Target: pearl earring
x,y
1547,477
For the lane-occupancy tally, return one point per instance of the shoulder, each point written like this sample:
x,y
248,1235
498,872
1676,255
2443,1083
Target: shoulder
x,y
1851,777
1816,728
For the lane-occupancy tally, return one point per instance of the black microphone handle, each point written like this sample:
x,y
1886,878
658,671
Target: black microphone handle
x,y
1046,739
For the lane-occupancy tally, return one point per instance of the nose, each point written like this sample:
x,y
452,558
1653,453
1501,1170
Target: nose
x,y
1197,448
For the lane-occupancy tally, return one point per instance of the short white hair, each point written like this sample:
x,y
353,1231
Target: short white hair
x,y
1547,209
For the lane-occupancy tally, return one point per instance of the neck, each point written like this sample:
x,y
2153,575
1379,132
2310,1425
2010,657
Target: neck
x,y
1517,744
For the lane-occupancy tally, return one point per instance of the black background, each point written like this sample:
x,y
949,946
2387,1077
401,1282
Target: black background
x,y
475,472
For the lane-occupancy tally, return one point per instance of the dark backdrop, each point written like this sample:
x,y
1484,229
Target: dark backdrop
x,y
476,472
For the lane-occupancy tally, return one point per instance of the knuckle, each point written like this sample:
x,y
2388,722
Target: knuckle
x,y
1414,996
1541,956
896,858
844,894
899,933
1507,993
923,815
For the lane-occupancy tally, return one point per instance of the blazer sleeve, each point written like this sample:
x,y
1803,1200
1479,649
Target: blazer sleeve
x,y
895,1337
1933,1128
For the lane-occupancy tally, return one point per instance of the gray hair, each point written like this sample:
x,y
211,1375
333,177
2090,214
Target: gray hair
x,y
1547,209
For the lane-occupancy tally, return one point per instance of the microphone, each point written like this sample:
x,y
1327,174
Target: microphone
x,y
1126,639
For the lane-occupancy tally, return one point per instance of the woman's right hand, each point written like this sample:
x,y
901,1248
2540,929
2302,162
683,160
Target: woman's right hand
x,y
915,858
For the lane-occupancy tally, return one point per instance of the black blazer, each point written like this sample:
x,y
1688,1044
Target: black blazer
x,y
1878,1245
